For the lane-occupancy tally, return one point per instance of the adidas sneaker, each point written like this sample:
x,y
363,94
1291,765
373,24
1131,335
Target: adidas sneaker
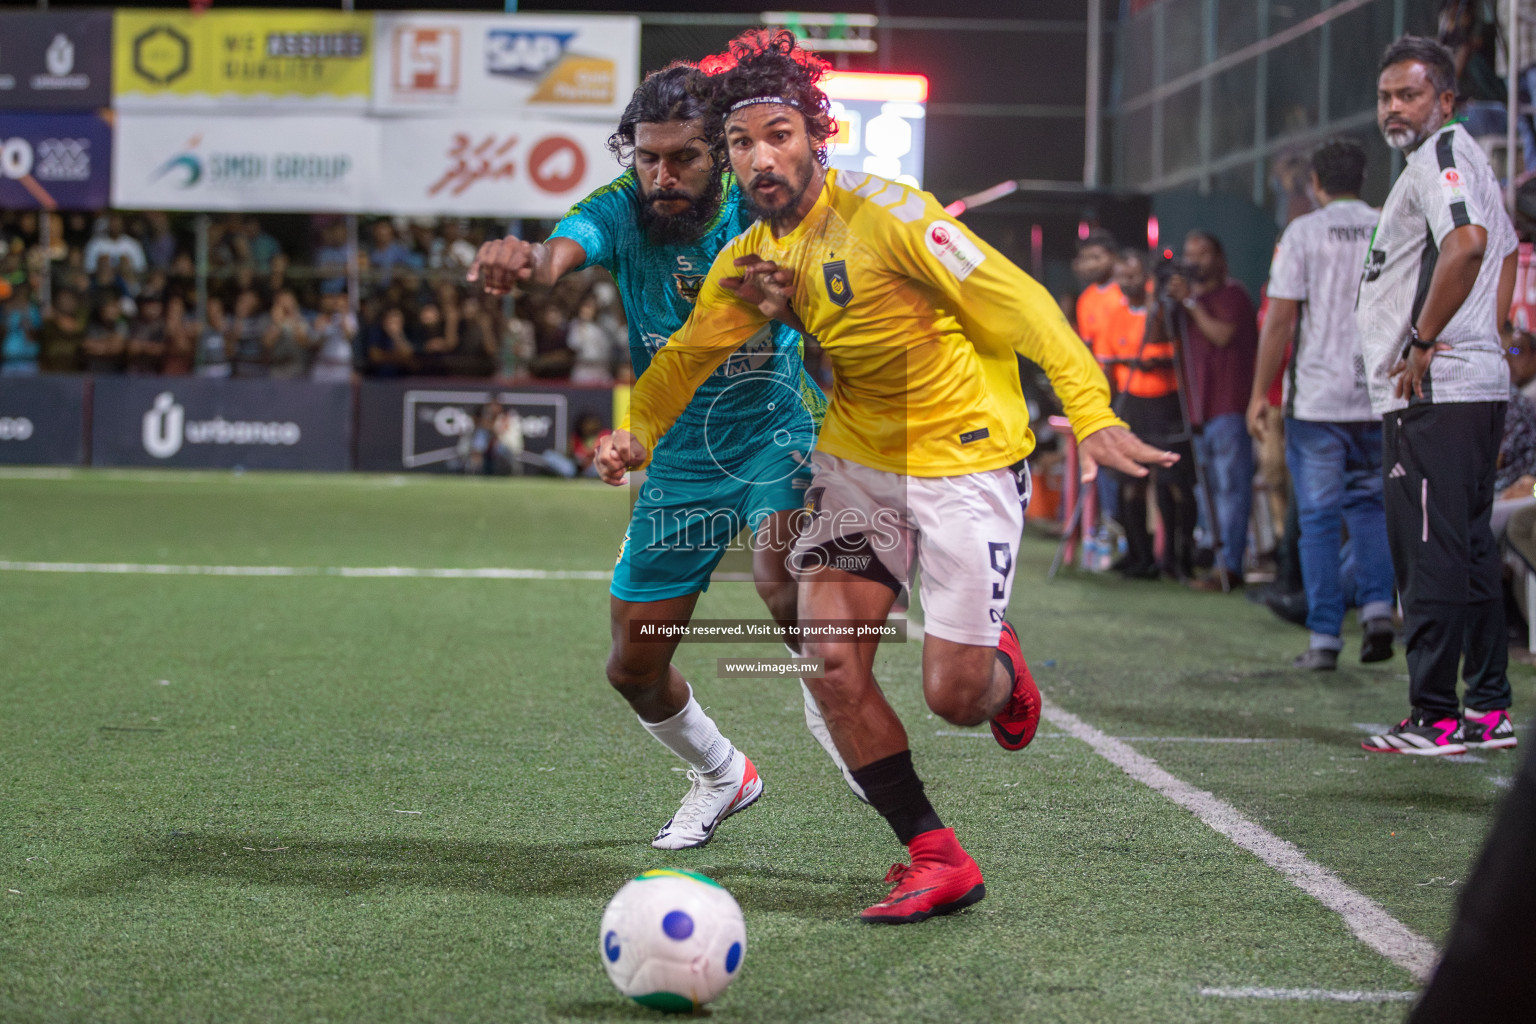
x,y
1418,734
1487,730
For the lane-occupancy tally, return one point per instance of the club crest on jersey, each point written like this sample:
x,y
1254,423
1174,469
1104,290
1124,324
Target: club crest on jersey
x,y
839,288
688,286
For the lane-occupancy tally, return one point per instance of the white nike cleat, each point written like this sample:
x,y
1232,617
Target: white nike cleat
x,y
818,726
708,803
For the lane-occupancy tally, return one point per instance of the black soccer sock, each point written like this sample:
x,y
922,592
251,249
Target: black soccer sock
x,y
893,789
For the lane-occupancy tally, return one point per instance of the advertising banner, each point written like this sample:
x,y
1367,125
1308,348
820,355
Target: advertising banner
x,y
418,425
54,161
577,66
42,421
491,166
292,163
221,424
168,59
55,61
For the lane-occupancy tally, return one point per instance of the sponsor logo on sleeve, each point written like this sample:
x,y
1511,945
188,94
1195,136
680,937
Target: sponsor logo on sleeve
x,y
949,245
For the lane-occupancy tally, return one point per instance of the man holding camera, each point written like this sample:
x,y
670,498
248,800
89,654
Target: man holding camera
x,y
1221,344
1438,283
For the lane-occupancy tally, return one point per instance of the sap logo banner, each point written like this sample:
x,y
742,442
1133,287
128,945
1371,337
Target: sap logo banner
x,y
221,424
55,61
42,420
585,66
527,55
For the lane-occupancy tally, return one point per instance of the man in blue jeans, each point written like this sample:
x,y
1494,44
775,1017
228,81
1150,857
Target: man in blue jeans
x,y
1332,439
1222,339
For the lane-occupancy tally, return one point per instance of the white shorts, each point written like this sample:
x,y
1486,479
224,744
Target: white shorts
x,y
963,532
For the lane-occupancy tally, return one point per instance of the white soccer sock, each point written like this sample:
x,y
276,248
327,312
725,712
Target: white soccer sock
x,y
693,736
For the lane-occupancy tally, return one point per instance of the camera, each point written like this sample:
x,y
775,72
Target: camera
x,y
1170,267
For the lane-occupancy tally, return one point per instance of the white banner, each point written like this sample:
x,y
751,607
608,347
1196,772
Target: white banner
x,y
491,166
572,66
233,162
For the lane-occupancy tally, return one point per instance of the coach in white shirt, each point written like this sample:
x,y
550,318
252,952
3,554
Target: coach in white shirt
x,y
1332,438
1437,285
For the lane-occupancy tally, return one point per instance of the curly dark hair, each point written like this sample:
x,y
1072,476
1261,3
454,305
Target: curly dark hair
x,y
663,96
761,63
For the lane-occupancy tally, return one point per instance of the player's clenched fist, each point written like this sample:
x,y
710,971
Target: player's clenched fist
x,y
617,454
500,264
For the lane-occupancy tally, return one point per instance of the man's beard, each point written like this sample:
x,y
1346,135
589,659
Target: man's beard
x,y
677,228
792,196
1405,139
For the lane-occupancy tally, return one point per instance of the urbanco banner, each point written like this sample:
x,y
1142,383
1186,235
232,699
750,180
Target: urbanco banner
x,y
492,166
575,65
169,59
54,161
282,163
55,61
221,424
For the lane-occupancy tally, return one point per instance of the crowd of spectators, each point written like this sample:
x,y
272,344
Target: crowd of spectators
x,y
119,293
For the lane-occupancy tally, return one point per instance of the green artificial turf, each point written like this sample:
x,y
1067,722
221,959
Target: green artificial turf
x,y
320,798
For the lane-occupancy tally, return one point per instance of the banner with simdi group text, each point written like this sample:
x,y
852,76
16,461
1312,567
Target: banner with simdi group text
x,y
283,164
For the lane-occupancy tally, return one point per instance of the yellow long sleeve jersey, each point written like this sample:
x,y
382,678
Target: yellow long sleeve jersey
x,y
920,320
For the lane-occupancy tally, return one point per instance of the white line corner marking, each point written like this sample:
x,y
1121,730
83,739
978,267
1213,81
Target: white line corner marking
x,y
1365,917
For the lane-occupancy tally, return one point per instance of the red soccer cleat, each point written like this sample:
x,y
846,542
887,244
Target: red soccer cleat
x,y
1015,725
941,879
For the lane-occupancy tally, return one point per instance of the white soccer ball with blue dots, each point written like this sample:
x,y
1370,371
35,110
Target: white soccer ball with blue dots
x,y
673,940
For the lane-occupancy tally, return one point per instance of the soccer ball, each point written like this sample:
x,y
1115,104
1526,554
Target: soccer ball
x,y
672,940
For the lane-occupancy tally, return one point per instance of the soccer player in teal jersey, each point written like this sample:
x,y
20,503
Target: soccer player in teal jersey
x,y
738,456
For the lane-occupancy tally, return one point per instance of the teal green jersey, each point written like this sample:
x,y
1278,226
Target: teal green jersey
x,y
761,396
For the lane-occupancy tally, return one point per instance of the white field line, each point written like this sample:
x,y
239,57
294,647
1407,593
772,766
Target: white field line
x,y
387,571
1364,916
1369,921
1310,995
1127,739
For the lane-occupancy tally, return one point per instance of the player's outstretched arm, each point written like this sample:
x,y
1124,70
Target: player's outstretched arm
x,y
503,263
1118,448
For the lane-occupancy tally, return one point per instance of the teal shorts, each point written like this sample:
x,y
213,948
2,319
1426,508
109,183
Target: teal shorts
x,y
679,529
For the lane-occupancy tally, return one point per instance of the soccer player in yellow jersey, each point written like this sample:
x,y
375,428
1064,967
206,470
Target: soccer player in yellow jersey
x,y
922,452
